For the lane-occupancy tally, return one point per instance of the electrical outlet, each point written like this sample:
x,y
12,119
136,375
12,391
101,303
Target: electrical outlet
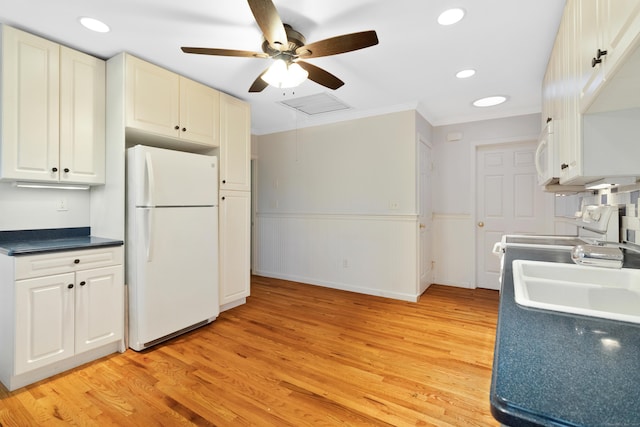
x,y
62,205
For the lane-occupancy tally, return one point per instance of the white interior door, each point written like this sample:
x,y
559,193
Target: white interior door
x,y
509,201
425,214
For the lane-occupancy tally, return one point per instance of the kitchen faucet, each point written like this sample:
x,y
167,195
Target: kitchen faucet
x,y
597,255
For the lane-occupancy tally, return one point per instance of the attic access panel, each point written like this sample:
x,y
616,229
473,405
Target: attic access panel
x,y
316,104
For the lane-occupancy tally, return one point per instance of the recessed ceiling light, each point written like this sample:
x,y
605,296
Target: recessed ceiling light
x,y
464,74
94,25
489,101
451,16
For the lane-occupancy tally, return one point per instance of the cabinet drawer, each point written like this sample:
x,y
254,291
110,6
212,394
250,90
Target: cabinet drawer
x,y
28,266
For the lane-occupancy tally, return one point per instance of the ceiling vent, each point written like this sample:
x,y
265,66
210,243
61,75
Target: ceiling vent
x,y
316,104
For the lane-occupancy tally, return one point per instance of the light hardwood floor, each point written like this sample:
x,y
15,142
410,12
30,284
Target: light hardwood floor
x,y
294,355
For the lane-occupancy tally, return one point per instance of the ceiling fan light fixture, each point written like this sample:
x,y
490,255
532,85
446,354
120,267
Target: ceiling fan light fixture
x,y
283,75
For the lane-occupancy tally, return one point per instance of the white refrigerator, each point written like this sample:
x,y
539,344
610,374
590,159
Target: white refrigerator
x,y
171,243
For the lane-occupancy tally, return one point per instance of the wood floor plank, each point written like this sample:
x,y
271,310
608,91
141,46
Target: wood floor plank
x,y
294,355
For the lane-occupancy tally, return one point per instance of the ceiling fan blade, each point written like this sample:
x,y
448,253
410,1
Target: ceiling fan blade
x,y
266,15
338,44
321,76
259,84
223,52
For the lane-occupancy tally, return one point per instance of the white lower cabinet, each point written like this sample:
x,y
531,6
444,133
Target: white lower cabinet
x,y
44,321
59,310
235,244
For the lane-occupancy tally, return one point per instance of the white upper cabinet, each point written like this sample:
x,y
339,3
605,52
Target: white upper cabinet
x,y
53,111
608,31
161,102
82,117
592,98
235,144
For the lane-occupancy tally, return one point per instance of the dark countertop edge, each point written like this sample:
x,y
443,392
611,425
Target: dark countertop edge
x,y
61,248
516,416
38,241
44,234
508,413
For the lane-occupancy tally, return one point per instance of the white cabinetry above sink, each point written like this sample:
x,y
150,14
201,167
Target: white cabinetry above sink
x,y
591,91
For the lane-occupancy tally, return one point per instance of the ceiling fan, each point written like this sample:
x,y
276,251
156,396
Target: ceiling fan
x,y
288,47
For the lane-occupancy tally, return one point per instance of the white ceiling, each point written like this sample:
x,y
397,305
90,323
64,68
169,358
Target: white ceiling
x,y
508,42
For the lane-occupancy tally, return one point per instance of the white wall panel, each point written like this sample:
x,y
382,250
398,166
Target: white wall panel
x,y
370,254
32,209
453,246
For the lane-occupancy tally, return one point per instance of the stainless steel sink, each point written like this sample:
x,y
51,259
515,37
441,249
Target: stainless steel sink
x,y
591,291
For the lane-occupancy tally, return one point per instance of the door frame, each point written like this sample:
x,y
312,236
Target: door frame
x,y
253,250
422,140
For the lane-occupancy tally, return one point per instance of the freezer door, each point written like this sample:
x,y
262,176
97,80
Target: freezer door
x,y
161,177
175,284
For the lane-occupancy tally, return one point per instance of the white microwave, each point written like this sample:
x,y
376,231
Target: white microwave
x,y
546,158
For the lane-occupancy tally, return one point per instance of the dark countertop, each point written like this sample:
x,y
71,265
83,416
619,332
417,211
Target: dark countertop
x,y
29,242
557,369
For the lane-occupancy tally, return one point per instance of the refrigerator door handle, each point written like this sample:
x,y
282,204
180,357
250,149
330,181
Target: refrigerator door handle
x,y
148,163
150,214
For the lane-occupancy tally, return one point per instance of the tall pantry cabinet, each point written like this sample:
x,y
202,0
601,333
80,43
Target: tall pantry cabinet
x,y
235,201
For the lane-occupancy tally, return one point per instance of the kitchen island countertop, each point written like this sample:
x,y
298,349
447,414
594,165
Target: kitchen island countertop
x,y
557,369
29,242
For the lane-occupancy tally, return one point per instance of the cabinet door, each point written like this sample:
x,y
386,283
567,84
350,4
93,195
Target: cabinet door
x,y
30,111
621,25
590,39
199,113
44,321
99,306
152,101
235,144
568,124
82,117
235,239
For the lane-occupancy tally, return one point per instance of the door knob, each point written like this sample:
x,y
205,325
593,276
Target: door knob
x,y
481,224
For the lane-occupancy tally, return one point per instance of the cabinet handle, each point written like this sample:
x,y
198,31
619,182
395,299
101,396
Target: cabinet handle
x,y
76,261
549,119
176,127
184,129
83,283
601,53
66,170
224,181
595,61
223,197
70,286
564,166
54,169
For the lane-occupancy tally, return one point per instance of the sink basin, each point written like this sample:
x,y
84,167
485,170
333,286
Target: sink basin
x,y
591,291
